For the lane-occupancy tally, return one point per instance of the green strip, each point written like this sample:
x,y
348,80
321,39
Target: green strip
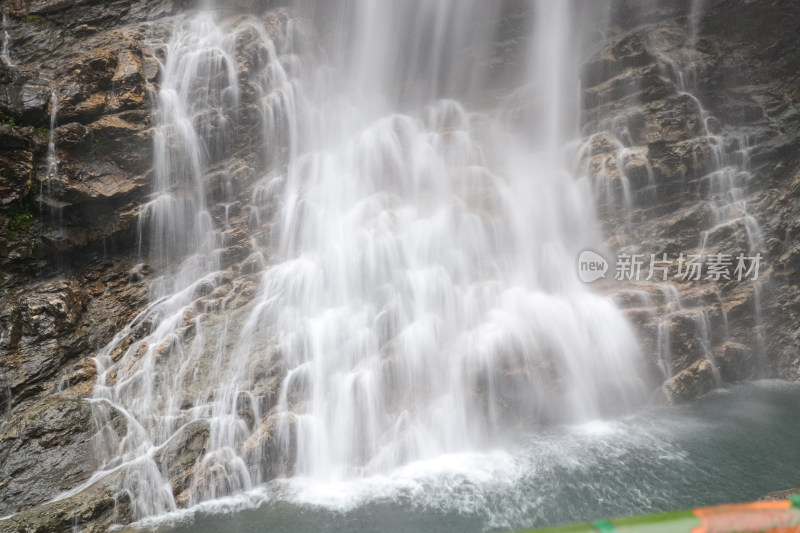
x,y
604,526
795,499
674,522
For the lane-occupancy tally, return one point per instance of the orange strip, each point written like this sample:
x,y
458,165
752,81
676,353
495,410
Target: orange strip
x,y
762,517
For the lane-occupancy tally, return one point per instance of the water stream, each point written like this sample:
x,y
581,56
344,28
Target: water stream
x,y
5,53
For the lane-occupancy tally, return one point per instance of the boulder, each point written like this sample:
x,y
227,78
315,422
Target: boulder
x,y
690,383
181,453
735,361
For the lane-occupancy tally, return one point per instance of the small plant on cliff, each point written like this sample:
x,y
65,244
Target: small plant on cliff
x,y
19,222
32,18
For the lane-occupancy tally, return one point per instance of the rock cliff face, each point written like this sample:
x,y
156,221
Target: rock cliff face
x,y
693,146
669,97
76,156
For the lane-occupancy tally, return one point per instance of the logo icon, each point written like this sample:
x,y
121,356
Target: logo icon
x,y
591,266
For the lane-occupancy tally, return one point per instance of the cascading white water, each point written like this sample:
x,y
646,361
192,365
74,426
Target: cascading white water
x,y
416,283
5,53
52,159
51,183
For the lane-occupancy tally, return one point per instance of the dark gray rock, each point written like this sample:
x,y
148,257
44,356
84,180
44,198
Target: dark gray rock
x,y
40,334
179,456
93,510
44,450
779,495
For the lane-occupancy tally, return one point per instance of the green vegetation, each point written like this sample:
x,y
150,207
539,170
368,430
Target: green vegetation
x,y
19,222
8,121
32,18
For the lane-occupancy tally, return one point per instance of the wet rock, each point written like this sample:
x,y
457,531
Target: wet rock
x,y
100,182
680,230
150,66
265,451
71,134
128,72
127,143
24,98
44,450
740,108
740,305
16,175
690,383
38,7
616,57
254,263
261,451
90,231
683,161
21,138
604,143
646,84
39,335
672,119
83,92
93,510
779,495
686,343
128,82
90,107
179,456
34,97
139,272
636,166
732,236
735,361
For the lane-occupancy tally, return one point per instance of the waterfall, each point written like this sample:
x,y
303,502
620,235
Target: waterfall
x,y
51,184
5,53
52,158
411,289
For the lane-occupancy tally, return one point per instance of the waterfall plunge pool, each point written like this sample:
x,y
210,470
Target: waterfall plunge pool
x,y
733,445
